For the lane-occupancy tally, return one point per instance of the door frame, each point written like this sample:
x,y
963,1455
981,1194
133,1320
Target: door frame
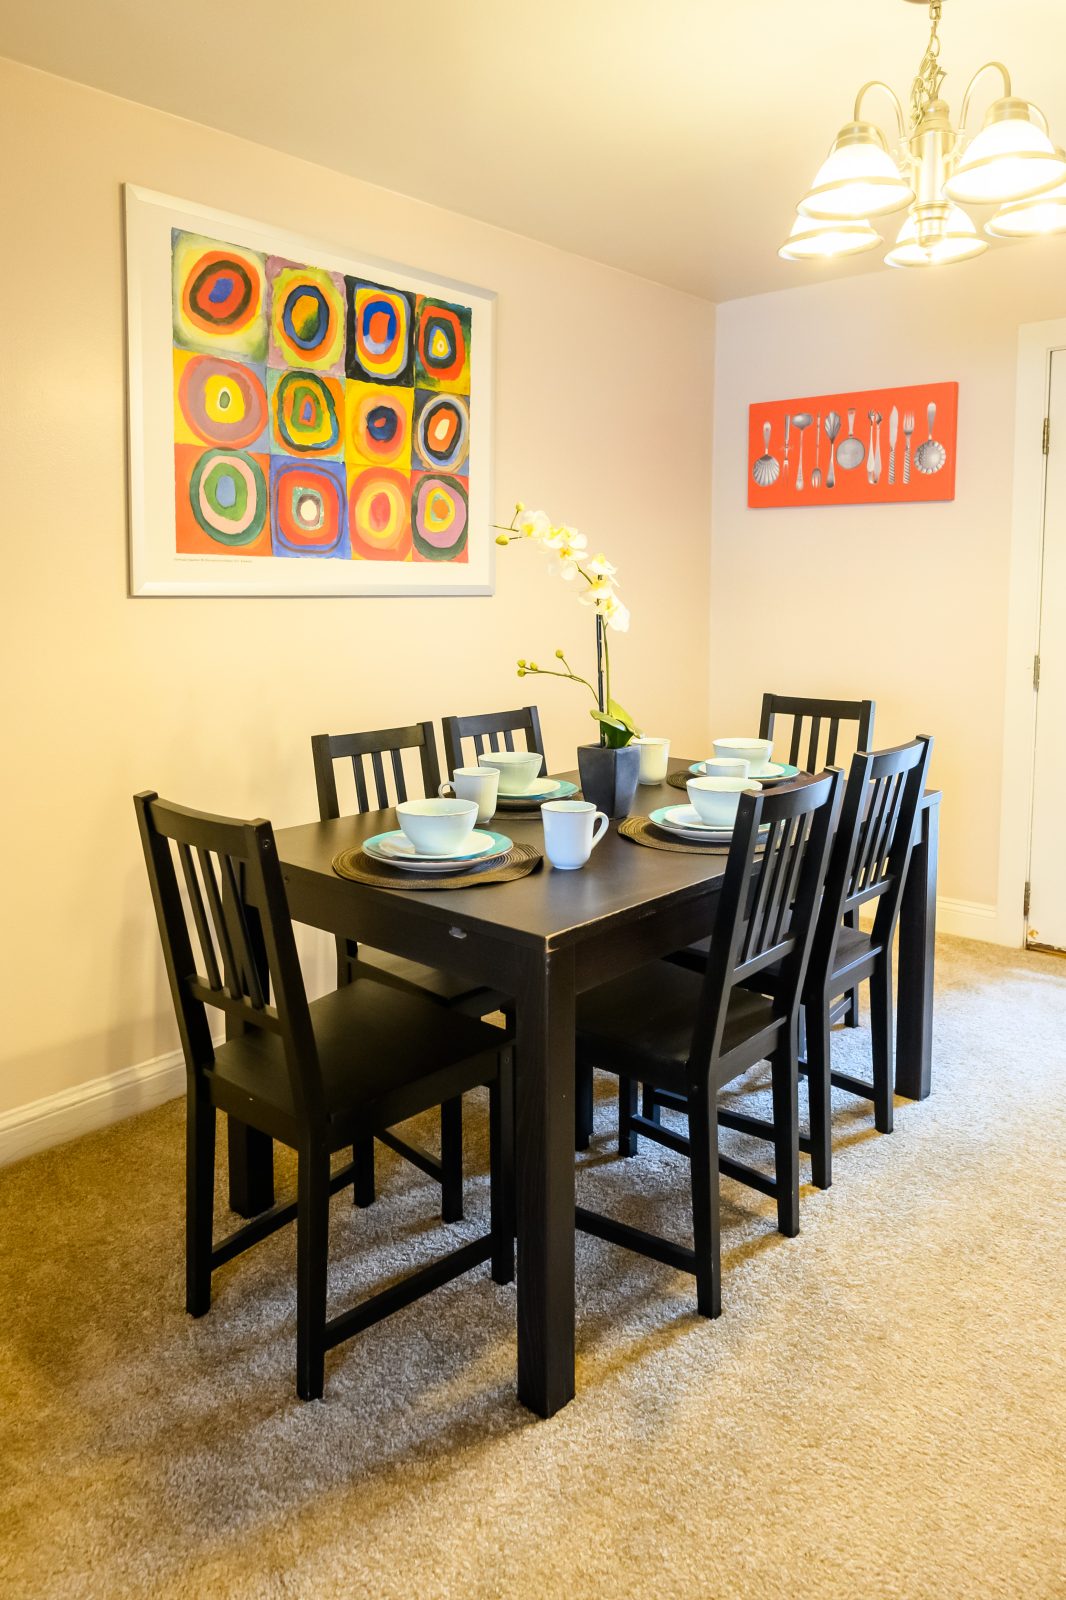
x,y
1036,342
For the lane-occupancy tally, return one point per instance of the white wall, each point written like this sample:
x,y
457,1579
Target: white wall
x,y
604,416
907,605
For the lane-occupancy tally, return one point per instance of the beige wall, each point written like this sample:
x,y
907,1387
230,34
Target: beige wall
x,y
907,605
604,386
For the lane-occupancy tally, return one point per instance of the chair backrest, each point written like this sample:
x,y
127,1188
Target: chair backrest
x,y
769,899
363,748
872,845
814,735
234,902
494,730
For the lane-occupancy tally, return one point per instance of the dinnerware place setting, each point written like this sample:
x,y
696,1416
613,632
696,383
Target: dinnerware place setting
x,y
746,757
521,786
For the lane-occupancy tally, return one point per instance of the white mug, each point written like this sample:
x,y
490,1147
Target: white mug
x,y
654,755
572,830
479,784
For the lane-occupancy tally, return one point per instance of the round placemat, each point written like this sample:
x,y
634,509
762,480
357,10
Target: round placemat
x,y
643,831
520,860
679,780
528,813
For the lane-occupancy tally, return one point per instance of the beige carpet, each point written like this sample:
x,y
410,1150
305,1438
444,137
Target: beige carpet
x,y
879,1412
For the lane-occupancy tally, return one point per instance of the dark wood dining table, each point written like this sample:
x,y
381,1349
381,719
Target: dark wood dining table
x,y
544,939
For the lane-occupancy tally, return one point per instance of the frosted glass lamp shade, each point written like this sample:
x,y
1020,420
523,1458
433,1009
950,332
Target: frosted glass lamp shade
x,y
958,241
858,178
1027,219
812,239
1009,159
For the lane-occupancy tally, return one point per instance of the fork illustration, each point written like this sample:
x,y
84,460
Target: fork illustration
x,y
908,429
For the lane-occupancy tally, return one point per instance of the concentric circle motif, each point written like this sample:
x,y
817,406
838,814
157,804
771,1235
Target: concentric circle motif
x,y
308,511
441,342
227,493
439,515
442,432
307,317
382,330
304,413
379,516
221,293
381,426
222,402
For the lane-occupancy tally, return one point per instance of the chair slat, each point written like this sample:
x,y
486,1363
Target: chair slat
x,y
362,798
398,776
196,903
230,966
233,907
794,747
380,787
831,747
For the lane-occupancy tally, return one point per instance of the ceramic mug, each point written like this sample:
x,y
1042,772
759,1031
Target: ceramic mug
x,y
517,768
654,755
572,830
479,784
725,767
717,799
755,751
437,827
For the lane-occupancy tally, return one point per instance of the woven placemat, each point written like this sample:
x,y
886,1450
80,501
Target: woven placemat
x,y
520,860
531,812
643,831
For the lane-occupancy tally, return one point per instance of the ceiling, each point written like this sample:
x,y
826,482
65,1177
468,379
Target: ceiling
x,y
668,139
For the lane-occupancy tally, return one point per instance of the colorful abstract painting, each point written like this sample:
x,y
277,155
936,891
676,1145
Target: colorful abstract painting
x,y
326,425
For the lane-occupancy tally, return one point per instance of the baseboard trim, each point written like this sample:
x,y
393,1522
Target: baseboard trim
x,y
88,1106
969,919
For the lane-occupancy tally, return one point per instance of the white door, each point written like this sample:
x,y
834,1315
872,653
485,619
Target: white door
x,y
1047,866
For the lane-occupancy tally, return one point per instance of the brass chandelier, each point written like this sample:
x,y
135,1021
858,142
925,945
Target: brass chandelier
x,y
1011,163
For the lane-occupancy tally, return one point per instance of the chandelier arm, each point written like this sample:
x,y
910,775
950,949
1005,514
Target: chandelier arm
x,y
878,83
989,66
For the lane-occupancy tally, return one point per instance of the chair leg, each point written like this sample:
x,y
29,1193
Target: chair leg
x,y
785,1077
819,1087
881,1041
627,1110
851,1015
583,1103
451,1159
364,1189
199,1197
501,1169
706,1234
312,1251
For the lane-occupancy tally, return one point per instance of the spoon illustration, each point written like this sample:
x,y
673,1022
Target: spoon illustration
x,y
851,452
766,469
801,420
832,428
816,475
930,456
873,458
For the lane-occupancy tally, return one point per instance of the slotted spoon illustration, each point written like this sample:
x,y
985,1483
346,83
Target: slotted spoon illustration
x,y
931,455
767,469
851,452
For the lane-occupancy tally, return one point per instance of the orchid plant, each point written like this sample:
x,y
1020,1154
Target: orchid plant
x,y
600,592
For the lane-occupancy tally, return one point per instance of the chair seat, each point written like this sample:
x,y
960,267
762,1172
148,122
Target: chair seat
x,y
855,954
641,1026
384,1054
443,987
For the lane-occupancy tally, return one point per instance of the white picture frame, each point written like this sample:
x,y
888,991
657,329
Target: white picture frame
x,y
172,484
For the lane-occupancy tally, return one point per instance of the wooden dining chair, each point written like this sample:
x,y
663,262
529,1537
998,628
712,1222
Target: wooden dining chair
x,y
492,731
819,733
689,1033
380,781
318,1077
867,866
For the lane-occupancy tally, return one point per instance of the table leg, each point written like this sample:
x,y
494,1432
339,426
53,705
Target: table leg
x,y
544,1137
251,1169
917,930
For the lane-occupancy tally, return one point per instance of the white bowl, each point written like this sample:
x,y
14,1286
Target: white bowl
x,y
725,767
517,768
716,799
437,827
755,751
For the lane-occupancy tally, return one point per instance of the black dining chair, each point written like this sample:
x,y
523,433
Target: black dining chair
x,y
867,866
819,733
492,731
318,1077
688,1034
377,786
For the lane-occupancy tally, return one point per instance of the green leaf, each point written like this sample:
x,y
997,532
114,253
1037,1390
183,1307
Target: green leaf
x,y
616,733
619,712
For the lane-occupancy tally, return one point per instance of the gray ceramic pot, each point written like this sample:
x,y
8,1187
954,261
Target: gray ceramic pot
x,y
609,777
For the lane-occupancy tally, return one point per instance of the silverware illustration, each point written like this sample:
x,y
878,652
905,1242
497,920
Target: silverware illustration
x,y
893,434
832,428
873,459
931,455
767,468
851,452
816,475
908,429
788,429
801,421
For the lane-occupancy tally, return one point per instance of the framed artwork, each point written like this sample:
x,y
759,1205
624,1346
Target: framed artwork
x,y
874,447
301,422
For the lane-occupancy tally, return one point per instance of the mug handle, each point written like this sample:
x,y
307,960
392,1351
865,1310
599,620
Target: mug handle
x,y
600,823
446,789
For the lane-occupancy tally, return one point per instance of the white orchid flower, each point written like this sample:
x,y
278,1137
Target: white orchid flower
x,y
534,525
600,567
616,615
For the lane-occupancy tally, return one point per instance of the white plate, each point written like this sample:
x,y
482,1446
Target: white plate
x,y
670,819
398,851
541,789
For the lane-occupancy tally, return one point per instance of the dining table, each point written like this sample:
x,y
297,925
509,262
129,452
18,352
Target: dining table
x,y
544,939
